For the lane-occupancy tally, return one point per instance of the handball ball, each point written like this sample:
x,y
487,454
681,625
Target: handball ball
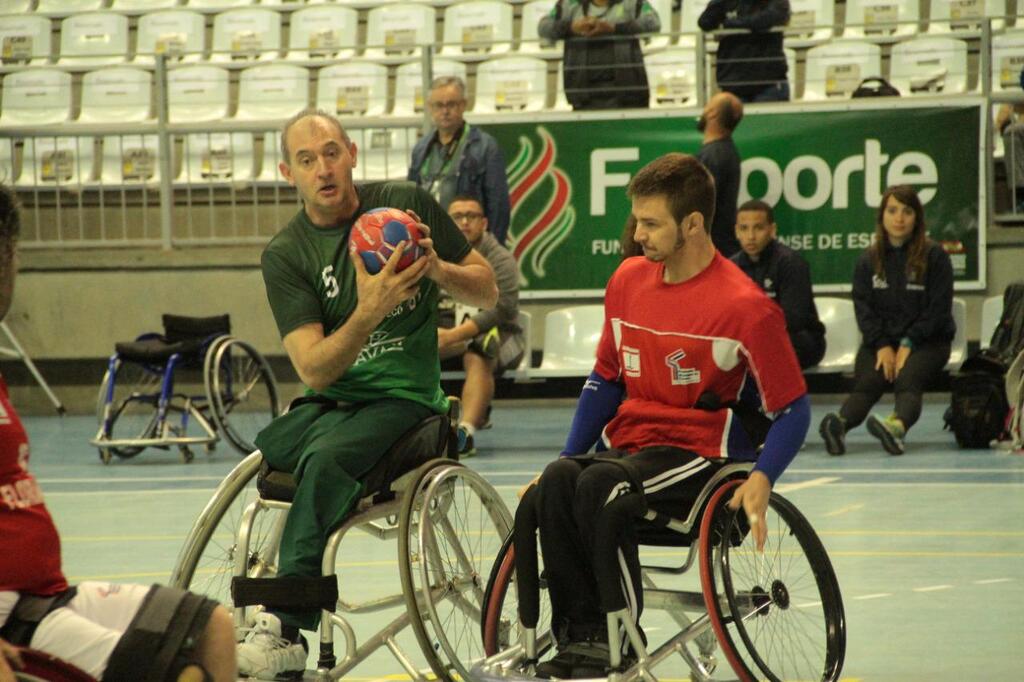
x,y
376,234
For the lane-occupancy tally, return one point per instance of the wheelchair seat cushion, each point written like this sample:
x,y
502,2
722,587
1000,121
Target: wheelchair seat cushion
x,y
157,351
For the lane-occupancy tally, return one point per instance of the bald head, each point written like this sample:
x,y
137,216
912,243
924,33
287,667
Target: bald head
x,y
728,109
308,117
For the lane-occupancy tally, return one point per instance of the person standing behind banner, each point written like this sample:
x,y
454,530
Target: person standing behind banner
x,y
783,275
751,65
903,297
457,158
720,117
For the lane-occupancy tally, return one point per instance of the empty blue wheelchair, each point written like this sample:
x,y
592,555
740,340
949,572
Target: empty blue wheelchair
x,y
188,387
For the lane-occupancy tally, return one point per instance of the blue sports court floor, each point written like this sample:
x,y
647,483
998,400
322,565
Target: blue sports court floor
x,y
928,547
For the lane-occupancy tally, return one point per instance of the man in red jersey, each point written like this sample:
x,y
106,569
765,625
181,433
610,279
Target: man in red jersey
x,y
110,631
686,333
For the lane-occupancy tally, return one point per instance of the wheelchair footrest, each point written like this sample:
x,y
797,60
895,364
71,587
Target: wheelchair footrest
x,y
291,594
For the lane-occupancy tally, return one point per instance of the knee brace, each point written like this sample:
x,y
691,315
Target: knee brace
x,y
160,642
28,611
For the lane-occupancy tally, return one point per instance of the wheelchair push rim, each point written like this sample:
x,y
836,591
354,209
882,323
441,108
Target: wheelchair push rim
x,y
241,390
778,614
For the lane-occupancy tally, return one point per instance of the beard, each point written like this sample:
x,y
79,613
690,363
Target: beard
x,y
702,123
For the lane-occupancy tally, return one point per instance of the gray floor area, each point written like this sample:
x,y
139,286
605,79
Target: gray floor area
x,y
928,547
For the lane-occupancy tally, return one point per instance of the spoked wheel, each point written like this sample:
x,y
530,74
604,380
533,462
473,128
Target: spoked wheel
x,y
211,553
42,667
452,528
778,614
242,391
131,412
501,616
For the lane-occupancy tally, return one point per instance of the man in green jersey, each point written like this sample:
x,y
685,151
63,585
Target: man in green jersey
x,y
368,342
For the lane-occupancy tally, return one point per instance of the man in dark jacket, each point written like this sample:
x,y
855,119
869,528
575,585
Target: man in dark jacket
x,y
784,276
751,65
457,158
603,64
719,155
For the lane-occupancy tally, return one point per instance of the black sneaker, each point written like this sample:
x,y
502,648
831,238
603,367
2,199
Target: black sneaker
x,y
833,433
577,661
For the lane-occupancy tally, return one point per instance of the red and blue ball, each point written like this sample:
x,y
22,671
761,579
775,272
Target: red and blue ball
x,y
376,234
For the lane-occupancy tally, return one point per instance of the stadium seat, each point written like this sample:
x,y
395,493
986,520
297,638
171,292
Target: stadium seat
x,y
664,37
36,97
835,69
477,29
246,35
25,39
926,66
511,84
353,89
130,160
217,4
991,312
965,15
197,93
176,33
56,161
383,153
16,6
530,42
121,94
810,23
672,77
68,6
217,157
688,16
8,173
272,91
141,5
93,38
958,350
881,20
323,32
409,84
393,32
842,336
1007,61
570,341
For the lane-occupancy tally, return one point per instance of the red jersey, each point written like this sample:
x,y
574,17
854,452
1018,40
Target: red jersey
x,y
30,555
669,343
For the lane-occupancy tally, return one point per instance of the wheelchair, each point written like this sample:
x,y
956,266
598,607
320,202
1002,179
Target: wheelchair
x,y
776,615
449,523
150,396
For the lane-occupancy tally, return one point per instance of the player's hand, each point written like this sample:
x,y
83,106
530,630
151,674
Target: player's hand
x,y
379,294
525,488
901,359
753,495
435,269
582,26
885,360
601,28
9,658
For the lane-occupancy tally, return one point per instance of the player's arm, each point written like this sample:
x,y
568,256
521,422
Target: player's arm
x,y
598,403
469,280
9,657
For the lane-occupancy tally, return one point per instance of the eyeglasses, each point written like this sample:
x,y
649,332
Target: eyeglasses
x,y
473,216
451,104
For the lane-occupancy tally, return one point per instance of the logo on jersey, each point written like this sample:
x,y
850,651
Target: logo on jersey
x,y
378,344
631,361
681,376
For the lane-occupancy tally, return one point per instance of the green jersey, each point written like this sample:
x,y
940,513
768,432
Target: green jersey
x,y
310,278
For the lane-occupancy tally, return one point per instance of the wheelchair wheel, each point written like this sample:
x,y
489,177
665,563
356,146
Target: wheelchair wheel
x,y
42,667
452,527
242,391
778,615
131,412
211,554
501,616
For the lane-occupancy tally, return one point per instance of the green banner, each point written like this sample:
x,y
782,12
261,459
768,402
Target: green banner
x,y
823,170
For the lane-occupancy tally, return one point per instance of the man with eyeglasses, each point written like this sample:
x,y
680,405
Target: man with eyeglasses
x,y
489,341
457,158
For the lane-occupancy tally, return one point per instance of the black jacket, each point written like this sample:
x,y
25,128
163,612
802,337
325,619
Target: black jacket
x,y
786,278
750,62
889,308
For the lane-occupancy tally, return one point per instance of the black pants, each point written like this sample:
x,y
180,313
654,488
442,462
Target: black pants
x,y
924,365
590,510
810,348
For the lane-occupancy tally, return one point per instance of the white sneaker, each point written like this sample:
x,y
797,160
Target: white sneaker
x,y
266,655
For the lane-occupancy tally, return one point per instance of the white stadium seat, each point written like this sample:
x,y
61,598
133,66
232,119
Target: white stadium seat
x,y
130,160
217,157
197,93
272,91
323,32
991,313
571,336
663,38
353,89
7,170
965,15
477,29
530,42
511,84
394,31
834,70
141,5
94,38
217,4
881,19
36,97
842,336
178,34
25,40
928,65
56,161
810,22
68,6
383,153
246,35
1007,61
958,349
121,94
672,75
15,6
409,96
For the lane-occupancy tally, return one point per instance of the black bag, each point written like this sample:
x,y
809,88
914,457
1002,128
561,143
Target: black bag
x,y
875,87
1008,338
978,406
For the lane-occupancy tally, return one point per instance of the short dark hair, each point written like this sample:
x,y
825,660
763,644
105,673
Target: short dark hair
x,y
465,197
682,180
10,223
758,205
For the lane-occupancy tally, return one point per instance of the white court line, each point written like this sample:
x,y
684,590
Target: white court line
x,y
992,581
846,509
160,491
813,483
874,596
933,588
141,479
916,484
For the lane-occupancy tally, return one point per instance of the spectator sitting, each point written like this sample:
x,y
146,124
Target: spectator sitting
x,y
603,65
750,65
783,275
490,340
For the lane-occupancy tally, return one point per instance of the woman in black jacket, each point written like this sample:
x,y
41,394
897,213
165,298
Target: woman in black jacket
x,y
903,297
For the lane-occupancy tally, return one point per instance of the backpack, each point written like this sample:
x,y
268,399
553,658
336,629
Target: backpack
x,y
875,87
1008,338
